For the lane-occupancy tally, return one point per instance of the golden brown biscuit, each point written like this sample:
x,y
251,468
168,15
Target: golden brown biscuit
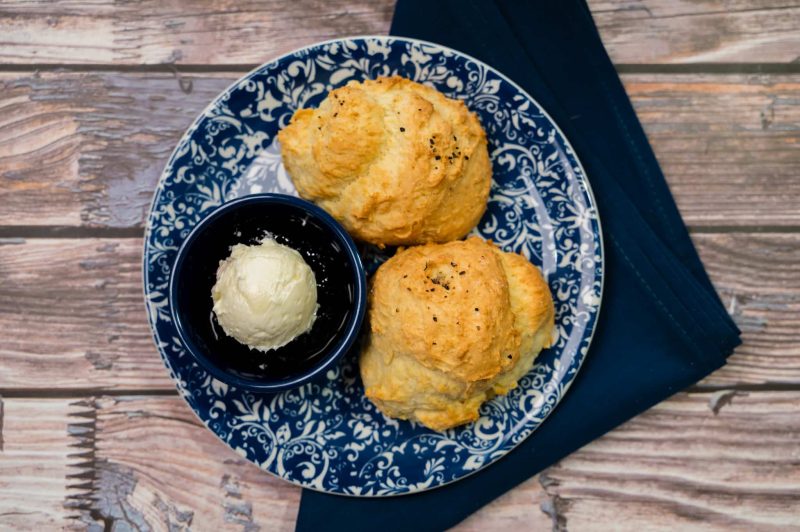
x,y
452,325
394,161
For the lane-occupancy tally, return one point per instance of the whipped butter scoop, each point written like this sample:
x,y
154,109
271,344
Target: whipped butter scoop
x,y
265,295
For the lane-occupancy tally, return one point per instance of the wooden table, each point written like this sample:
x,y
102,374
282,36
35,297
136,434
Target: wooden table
x,y
94,94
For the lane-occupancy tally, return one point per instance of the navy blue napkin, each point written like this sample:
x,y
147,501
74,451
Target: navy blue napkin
x,y
662,326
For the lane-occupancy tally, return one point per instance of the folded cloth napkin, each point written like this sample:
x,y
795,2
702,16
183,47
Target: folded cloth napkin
x,y
661,327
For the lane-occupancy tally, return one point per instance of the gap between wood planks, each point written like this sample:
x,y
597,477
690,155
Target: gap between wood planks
x,y
11,234
83,393
622,68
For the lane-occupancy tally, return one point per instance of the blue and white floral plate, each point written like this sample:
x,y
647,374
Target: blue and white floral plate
x,y
326,435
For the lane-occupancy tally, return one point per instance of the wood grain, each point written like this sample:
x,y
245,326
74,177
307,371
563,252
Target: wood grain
x,y
42,448
677,467
181,32
736,469
74,318
83,149
685,31
134,486
226,32
757,278
729,146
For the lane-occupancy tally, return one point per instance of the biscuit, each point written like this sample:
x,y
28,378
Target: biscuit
x,y
451,326
396,162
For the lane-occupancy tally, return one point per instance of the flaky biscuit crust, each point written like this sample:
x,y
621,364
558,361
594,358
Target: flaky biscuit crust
x,y
396,162
452,325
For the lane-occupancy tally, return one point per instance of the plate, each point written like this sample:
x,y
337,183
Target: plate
x,y
326,435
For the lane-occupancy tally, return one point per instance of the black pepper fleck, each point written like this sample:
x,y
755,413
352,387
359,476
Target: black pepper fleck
x,y
402,130
510,357
478,327
438,157
435,318
462,272
466,157
477,309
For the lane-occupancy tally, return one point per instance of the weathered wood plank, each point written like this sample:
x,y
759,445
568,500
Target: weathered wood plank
x,y
134,485
153,32
85,150
757,278
685,31
42,461
729,146
74,318
526,507
128,460
222,32
737,468
676,467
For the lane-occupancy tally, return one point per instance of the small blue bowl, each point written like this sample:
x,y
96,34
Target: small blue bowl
x,y
325,246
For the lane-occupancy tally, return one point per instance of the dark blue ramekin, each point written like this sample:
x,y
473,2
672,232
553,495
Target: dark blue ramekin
x,y
326,247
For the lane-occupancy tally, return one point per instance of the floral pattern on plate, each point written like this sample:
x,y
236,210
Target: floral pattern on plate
x,y
326,435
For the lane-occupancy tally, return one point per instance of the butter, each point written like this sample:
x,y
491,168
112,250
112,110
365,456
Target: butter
x,y
265,295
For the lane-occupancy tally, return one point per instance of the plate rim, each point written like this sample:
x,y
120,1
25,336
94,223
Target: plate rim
x,y
212,104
